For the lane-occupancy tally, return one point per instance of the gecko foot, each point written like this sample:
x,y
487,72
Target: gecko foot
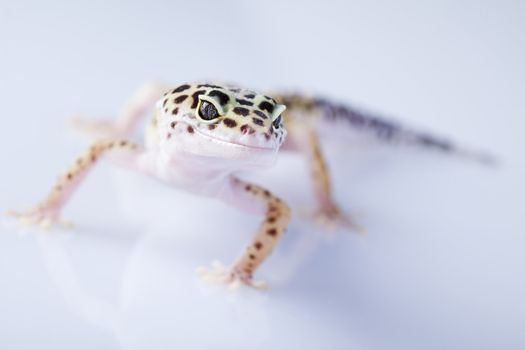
x,y
40,216
331,217
97,128
220,274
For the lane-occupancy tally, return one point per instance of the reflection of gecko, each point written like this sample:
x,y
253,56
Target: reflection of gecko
x,y
201,135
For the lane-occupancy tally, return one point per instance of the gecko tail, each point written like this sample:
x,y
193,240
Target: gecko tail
x,y
427,141
384,130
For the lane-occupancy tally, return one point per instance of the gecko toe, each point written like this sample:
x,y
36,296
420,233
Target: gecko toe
x,y
331,218
40,217
218,273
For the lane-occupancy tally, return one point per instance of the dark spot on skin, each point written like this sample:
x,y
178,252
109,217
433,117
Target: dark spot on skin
x,y
180,98
212,126
175,111
252,256
383,129
230,122
266,136
249,96
246,129
181,88
223,98
190,129
260,114
69,176
258,121
244,102
123,143
269,98
277,122
272,232
248,187
258,245
266,106
241,111
271,219
266,193
168,136
166,110
164,103
195,97
429,141
209,85
272,208
173,124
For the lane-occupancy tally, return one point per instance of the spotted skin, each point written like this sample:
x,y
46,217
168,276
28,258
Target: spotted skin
x,y
306,115
317,111
47,212
201,135
327,212
220,128
244,113
277,215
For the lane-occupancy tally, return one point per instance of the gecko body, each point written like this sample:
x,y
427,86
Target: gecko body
x,y
202,135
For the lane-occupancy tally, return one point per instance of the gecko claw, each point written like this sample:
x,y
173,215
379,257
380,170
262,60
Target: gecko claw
x,y
43,218
217,273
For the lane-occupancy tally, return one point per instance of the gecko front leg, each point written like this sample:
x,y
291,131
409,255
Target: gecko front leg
x,y
253,198
47,212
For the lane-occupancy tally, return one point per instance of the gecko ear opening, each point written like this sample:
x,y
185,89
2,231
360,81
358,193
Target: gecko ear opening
x,y
277,111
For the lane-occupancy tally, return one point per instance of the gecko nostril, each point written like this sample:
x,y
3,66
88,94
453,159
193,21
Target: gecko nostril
x,y
246,129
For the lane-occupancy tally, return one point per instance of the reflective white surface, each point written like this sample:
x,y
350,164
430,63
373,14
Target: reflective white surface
x,y
441,266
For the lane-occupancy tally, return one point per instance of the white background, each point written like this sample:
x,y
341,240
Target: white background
x,y
442,266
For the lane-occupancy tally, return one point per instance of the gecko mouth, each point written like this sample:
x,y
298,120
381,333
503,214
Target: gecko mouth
x,y
229,142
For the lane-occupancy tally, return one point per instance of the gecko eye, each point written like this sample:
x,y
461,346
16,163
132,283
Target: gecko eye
x,y
277,122
207,111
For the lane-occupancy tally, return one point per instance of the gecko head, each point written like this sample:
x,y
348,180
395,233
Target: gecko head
x,y
220,121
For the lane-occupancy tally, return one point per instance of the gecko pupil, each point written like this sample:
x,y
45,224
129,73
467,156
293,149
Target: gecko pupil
x,y
207,111
277,122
